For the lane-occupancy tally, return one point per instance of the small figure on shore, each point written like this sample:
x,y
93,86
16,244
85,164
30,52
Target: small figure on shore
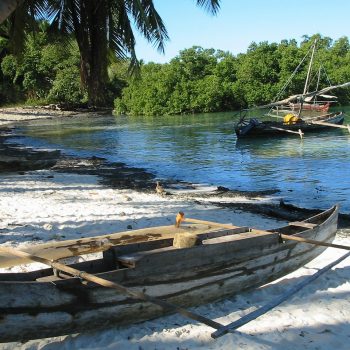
x,y
160,189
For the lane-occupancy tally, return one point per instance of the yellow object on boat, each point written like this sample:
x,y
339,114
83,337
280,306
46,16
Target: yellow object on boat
x,y
291,119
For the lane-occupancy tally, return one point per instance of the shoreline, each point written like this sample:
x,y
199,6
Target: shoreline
x,y
77,199
121,176
12,115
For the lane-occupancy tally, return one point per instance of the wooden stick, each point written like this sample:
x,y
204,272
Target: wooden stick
x,y
109,284
299,132
262,310
331,124
181,218
311,241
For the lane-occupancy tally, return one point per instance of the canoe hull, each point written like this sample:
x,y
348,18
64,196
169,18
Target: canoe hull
x,y
319,107
255,128
218,268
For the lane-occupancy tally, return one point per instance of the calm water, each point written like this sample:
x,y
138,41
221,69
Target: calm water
x,y
313,172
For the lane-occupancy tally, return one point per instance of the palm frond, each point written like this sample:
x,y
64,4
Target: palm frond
x,y
148,22
121,36
37,9
59,14
211,6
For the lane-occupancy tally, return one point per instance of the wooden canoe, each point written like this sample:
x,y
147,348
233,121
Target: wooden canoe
x,y
45,303
257,128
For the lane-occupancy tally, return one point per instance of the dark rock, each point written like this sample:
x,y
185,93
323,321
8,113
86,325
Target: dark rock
x,y
222,189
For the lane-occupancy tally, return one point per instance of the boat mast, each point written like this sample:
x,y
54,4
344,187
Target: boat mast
x,y
309,70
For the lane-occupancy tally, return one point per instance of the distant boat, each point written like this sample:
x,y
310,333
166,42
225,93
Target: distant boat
x,y
224,260
298,113
319,107
256,128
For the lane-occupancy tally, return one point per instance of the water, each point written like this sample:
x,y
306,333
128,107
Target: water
x,y
313,172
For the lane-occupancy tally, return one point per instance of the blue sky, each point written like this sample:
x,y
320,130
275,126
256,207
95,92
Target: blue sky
x,y
241,22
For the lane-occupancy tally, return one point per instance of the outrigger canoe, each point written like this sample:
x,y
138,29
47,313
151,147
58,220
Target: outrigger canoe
x,y
222,262
267,128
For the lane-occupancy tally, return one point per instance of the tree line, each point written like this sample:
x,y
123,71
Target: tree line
x,y
48,70
208,80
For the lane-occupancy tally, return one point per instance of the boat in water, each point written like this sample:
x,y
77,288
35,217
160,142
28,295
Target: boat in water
x,y
290,125
296,114
221,261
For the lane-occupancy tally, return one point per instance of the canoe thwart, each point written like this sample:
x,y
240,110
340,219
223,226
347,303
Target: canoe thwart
x,y
302,224
180,217
312,241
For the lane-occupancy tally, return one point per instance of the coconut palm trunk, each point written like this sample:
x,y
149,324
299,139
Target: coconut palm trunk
x,y
90,26
7,7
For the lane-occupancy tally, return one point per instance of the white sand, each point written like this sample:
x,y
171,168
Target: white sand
x,y
36,207
13,115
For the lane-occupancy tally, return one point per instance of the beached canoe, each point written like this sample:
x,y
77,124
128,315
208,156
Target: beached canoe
x,y
223,261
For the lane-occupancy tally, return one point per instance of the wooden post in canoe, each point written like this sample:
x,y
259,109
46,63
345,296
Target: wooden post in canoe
x,y
180,217
109,284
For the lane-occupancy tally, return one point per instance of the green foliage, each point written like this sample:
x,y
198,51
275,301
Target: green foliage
x,y
195,81
66,87
48,71
9,67
206,80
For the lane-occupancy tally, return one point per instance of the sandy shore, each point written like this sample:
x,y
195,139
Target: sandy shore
x,y
43,205
9,116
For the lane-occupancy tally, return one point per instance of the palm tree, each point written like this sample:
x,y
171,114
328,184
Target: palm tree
x,y
7,7
101,27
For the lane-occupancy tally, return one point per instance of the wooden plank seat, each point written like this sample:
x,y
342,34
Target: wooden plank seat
x,y
131,259
302,224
